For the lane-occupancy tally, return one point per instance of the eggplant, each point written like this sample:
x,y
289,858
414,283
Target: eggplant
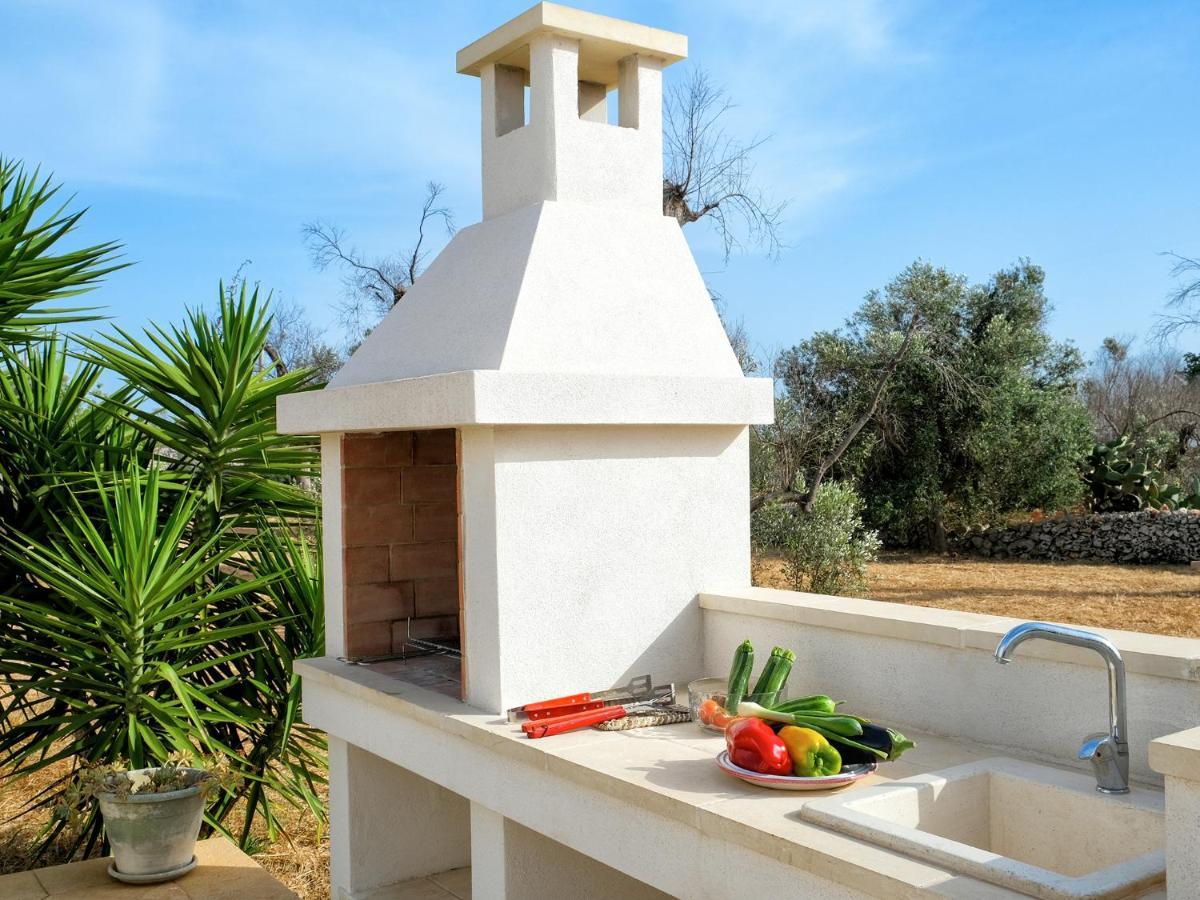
x,y
877,742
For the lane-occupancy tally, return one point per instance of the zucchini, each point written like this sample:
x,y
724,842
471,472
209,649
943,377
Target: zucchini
x,y
817,703
764,677
774,676
739,676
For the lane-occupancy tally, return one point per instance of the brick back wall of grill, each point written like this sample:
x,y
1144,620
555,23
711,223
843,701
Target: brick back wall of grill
x,y
400,532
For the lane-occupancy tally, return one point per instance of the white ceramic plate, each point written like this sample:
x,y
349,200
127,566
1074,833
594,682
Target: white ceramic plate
x,y
848,775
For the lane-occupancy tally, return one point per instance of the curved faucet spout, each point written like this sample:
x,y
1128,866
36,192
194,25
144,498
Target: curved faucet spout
x,y
1109,754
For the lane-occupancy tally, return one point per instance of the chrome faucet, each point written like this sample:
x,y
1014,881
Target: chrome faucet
x,y
1108,753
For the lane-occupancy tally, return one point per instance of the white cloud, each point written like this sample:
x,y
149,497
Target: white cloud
x,y
865,32
864,28
140,94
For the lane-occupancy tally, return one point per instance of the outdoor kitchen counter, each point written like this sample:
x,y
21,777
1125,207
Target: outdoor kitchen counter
x,y
666,772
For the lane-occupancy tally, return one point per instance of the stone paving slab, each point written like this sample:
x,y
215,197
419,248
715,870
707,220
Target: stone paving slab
x,y
224,873
452,885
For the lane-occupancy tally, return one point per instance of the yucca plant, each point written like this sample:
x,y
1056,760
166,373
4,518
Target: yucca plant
x,y
125,640
287,758
159,559
200,391
30,273
57,429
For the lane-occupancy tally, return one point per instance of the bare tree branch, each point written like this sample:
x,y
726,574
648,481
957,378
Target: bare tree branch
x,y
373,287
293,342
234,284
707,173
429,210
1186,299
1128,394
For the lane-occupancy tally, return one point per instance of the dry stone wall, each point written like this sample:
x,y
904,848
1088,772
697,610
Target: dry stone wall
x,y
1134,537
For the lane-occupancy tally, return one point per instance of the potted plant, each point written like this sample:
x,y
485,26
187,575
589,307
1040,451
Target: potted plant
x,y
152,816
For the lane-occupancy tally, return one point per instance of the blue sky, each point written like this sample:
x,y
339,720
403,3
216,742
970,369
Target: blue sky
x,y
970,134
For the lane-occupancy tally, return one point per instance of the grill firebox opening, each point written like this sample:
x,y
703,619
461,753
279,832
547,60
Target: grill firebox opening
x,y
401,555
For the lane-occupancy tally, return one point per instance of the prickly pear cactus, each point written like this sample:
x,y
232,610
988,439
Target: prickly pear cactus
x,y
1123,479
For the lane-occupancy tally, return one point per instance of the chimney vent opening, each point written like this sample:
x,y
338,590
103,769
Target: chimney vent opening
x,y
512,99
593,102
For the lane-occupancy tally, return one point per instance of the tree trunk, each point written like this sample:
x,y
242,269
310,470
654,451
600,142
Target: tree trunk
x,y
936,528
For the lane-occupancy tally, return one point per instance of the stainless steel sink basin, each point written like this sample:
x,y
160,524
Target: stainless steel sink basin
x,y
1042,831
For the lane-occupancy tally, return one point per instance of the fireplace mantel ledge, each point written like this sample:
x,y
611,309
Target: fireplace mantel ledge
x,y
492,397
650,802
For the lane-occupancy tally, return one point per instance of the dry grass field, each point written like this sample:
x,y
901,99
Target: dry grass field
x,y
1154,599
1158,599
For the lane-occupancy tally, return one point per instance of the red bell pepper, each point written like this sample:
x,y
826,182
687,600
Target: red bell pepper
x,y
754,746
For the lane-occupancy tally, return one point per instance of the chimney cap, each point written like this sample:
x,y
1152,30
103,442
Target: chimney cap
x,y
603,41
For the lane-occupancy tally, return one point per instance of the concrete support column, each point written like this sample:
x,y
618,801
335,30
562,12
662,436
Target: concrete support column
x,y
639,109
1183,837
1177,758
389,825
639,95
553,82
331,527
511,861
481,618
489,857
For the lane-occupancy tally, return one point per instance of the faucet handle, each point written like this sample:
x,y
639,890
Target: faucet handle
x,y
1097,747
1109,760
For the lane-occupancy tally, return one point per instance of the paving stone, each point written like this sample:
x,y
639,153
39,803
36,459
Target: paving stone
x,y
456,881
224,873
59,879
416,889
21,886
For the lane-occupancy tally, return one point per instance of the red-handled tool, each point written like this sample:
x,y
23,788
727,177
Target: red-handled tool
x,y
544,705
540,728
639,688
548,709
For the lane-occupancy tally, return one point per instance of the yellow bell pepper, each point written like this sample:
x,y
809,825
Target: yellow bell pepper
x,y
811,754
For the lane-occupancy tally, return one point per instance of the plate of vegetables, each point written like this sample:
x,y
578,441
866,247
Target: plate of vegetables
x,y
848,775
800,744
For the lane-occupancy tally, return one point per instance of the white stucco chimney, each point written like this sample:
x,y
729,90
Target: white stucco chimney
x,y
569,340
570,60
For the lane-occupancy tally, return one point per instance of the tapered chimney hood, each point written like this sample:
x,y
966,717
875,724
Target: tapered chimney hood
x,y
575,300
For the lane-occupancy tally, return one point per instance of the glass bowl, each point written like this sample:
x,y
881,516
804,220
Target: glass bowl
x,y
707,689
715,689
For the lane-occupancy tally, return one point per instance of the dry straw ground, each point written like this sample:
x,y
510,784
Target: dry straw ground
x,y
1155,599
1158,599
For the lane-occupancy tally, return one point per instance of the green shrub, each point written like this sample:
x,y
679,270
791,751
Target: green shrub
x,y
825,550
771,527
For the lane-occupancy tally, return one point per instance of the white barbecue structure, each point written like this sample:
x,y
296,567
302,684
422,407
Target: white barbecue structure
x,y
600,414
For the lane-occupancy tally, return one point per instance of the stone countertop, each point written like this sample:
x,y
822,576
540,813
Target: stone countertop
x,y
1177,755
670,770
223,871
